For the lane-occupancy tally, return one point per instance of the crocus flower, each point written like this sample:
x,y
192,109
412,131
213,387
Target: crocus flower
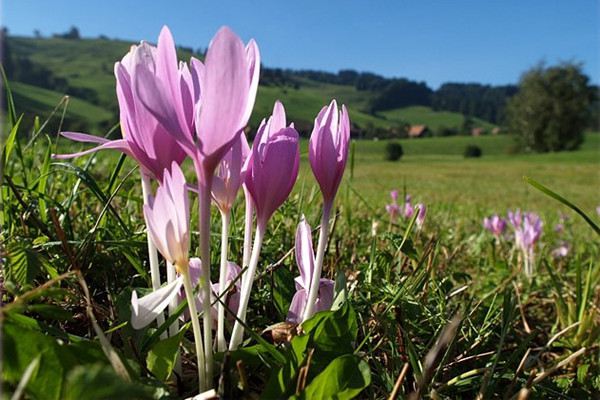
x,y
224,90
393,209
561,251
328,148
408,209
421,216
514,218
232,299
168,218
144,138
272,167
495,224
527,232
305,260
229,175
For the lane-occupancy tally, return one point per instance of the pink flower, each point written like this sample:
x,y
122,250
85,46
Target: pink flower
x,y
224,90
229,175
272,167
408,209
144,138
393,209
306,264
561,251
328,148
168,218
422,212
495,224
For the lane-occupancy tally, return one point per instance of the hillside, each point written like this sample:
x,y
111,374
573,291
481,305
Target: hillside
x,y
48,68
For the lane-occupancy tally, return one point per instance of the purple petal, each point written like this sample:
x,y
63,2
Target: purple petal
x,y
146,309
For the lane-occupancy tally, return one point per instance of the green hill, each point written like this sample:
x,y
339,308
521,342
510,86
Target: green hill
x,y
85,68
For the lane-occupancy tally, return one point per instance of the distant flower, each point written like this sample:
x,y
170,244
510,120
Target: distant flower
x,y
598,210
422,212
561,251
393,209
514,218
408,209
495,224
559,228
306,264
528,229
230,175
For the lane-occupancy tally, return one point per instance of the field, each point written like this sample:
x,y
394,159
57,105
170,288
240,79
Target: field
x,y
443,311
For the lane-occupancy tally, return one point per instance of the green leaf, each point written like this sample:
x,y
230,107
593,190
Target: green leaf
x,y
25,264
99,382
344,378
162,356
566,202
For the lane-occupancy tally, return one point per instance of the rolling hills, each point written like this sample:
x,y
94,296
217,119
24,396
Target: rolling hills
x,y
83,69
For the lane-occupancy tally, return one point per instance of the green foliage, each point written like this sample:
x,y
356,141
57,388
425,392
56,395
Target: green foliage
x,y
393,151
472,151
550,111
162,356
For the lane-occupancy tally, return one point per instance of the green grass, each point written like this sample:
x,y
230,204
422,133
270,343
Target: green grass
x,y
417,115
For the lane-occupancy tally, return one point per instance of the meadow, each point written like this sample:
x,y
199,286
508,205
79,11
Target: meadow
x,y
436,305
443,311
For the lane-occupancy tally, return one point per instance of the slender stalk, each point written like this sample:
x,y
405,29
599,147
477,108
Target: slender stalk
x,y
189,295
221,342
174,328
247,228
205,287
238,330
316,277
152,252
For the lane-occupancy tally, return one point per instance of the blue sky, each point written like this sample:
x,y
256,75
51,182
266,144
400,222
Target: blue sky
x,y
435,41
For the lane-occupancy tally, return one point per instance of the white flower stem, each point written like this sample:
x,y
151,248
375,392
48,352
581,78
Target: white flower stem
x,y
238,330
316,276
205,283
249,211
191,300
174,328
152,252
221,341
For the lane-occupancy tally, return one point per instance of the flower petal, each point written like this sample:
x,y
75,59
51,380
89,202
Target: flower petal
x,y
146,309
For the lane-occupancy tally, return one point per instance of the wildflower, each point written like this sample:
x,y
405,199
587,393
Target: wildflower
x,y
561,251
393,209
527,232
421,216
408,210
495,224
306,264
144,138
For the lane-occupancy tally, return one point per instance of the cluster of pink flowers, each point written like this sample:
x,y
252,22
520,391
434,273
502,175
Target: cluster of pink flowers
x,y
406,210
170,111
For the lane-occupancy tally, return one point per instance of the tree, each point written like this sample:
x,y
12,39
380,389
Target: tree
x,y
550,111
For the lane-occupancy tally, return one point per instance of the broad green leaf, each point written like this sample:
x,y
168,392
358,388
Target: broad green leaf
x,y
344,378
161,358
99,382
283,290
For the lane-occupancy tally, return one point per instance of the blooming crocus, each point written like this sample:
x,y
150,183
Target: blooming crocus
x,y
495,224
168,218
408,209
271,171
144,138
328,148
229,175
514,218
527,233
305,260
272,167
230,299
393,209
421,216
223,95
